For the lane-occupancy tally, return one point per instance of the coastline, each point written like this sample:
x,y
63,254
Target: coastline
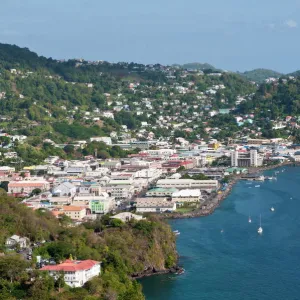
x,y
216,198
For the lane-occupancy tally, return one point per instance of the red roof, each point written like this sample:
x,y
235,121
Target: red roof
x,y
72,266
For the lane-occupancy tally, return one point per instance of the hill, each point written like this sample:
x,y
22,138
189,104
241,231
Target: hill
x,y
196,66
260,75
126,250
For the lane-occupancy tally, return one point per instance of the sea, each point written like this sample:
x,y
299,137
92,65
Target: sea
x,y
225,258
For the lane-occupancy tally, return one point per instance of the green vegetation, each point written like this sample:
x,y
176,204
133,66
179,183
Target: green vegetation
x,y
124,249
260,75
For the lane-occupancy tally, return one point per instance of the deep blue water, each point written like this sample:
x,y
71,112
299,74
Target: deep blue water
x,y
239,263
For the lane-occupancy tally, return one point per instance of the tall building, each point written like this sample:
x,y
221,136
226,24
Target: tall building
x,y
246,159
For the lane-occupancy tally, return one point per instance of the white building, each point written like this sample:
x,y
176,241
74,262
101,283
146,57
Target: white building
x,y
104,139
156,205
187,196
16,240
187,184
76,273
246,159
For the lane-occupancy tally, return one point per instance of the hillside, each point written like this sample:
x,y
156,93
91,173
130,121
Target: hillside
x,y
196,66
65,101
124,249
260,75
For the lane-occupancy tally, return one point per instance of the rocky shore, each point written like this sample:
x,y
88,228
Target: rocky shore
x,y
214,201
152,271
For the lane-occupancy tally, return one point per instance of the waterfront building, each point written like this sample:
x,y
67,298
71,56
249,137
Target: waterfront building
x,y
188,184
246,159
161,192
187,195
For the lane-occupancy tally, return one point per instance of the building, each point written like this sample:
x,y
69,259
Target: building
x,y
187,196
76,273
104,139
161,192
27,186
258,141
121,189
16,240
246,159
156,205
64,189
188,184
100,204
74,212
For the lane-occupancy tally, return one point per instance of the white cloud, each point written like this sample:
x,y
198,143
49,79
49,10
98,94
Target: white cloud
x,y
291,23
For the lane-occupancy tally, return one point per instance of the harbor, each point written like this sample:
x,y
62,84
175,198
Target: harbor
x,y
229,242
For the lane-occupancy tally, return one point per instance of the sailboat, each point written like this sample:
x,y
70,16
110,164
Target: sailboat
x,y
249,220
272,208
260,230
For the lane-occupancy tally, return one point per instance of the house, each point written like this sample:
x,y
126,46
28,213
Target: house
x,y
16,240
156,205
76,272
64,189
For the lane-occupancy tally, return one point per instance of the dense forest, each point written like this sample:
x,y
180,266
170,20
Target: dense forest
x,y
125,250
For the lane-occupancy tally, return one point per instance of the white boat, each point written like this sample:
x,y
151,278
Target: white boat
x,y
272,208
249,220
257,185
176,232
260,230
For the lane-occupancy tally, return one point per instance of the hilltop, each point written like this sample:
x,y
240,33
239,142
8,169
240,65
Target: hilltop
x,y
196,66
260,75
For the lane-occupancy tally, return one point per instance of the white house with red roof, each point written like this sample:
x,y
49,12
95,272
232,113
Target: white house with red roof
x,y
76,272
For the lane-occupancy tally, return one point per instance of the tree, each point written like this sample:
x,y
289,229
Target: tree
x,y
12,266
60,281
4,185
36,191
69,149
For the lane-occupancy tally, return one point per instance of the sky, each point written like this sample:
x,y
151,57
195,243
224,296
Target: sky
x,y
235,35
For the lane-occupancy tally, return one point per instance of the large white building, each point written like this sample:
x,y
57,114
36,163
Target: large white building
x,y
246,159
187,196
76,273
188,184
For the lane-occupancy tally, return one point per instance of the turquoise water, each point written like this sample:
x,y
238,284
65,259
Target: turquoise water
x,y
239,263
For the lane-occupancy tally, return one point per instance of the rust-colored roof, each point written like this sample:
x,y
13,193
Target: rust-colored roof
x,y
72,266
25,184
73,208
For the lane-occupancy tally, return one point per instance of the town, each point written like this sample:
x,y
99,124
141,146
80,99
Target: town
x,y
122,147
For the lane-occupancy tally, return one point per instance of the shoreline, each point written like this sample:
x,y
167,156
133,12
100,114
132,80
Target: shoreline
x,y
216,199
152,272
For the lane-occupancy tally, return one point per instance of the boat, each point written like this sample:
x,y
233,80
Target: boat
x,y
222,230
272,208
176,232
260,230
249,220
180,271
257,185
